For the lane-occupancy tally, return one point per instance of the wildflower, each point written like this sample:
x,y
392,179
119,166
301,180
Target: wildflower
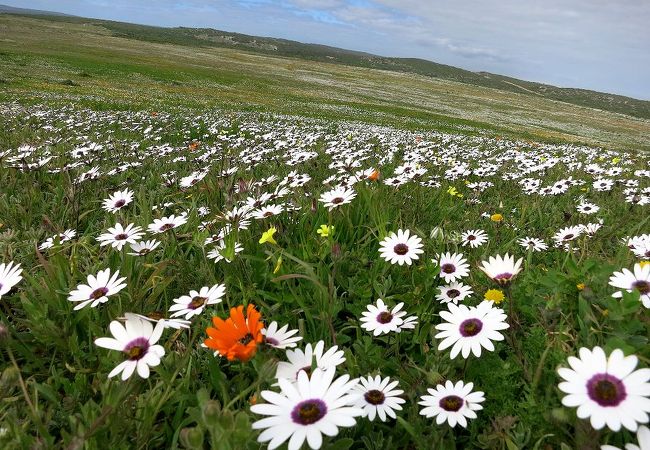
x,y
644,264
278,265
642,436
267,236
453,267
280,338
494,295
118,236
468,329
138,341
452,403
9,276
193,304
143,247
496,217
225,252
63,237
337,197
267,211
455,292
98,289
374,176
312,407
167,223
607,390
312,356
580,286
501,269
534,244
380,320
118,200
379,397
474,238
236,337
401,248
638,280
325,231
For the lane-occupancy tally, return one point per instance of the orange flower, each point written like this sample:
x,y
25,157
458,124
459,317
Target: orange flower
x,y
374,176
237,336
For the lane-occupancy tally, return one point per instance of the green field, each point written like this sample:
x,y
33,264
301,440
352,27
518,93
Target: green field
x,y
216,178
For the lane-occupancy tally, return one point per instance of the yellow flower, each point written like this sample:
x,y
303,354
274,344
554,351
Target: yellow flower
x,y
496,217
267,236
494,295
580,286
278,265
325,231
452,191
616,160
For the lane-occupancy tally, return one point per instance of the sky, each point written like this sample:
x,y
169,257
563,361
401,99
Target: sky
x,y
602,45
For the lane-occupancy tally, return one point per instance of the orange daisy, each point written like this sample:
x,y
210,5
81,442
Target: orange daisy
x,y
236,337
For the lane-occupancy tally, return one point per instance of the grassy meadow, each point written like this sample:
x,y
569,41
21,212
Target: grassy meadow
x,y
213,178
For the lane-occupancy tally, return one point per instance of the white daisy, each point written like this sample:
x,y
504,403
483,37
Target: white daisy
x,y
638,280
453,267
267,211
337,197
501,269
401,248
306,410
474,238
379,397
280,338
118,236
9,276
642,436
451,403
380,320
193,304
118,200
98,289
301,361
567,234
137,339
607,390
534,244
225,252
143,247
167,223
468,329
455,292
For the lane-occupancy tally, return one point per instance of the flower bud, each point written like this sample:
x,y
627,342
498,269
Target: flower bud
x,y
192,438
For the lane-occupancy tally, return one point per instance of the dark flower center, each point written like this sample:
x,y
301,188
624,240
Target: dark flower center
x,y
503,278
606,390
471,237
121,237
470,327
642,286
144,251
167,226
120,203
451,403
401,249
384,317
448,268
309,412
268,214
453,293
271,341
337,200
246,339
568,237
137,348
98,293
197,302
375,397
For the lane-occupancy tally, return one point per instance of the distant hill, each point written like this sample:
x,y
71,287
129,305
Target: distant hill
x,y
207,37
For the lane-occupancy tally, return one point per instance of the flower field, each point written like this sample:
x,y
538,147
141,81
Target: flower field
x,y
210,279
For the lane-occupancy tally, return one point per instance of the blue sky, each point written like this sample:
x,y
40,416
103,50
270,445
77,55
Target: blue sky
x,y
594,44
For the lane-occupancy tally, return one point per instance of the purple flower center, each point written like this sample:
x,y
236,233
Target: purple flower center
x,y
401,249
197,302
642,286
448,268
470,327
98,293
120,203
471,237
375,397
271,341
453,293
568,237
503,278
451,403
606,390
121,237
337,200
384,317
167,226
309,411
137,348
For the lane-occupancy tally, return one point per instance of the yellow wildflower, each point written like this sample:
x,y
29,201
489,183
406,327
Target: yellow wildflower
x,y
496,217
580,286
267,236
325,231
278,265
494,295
